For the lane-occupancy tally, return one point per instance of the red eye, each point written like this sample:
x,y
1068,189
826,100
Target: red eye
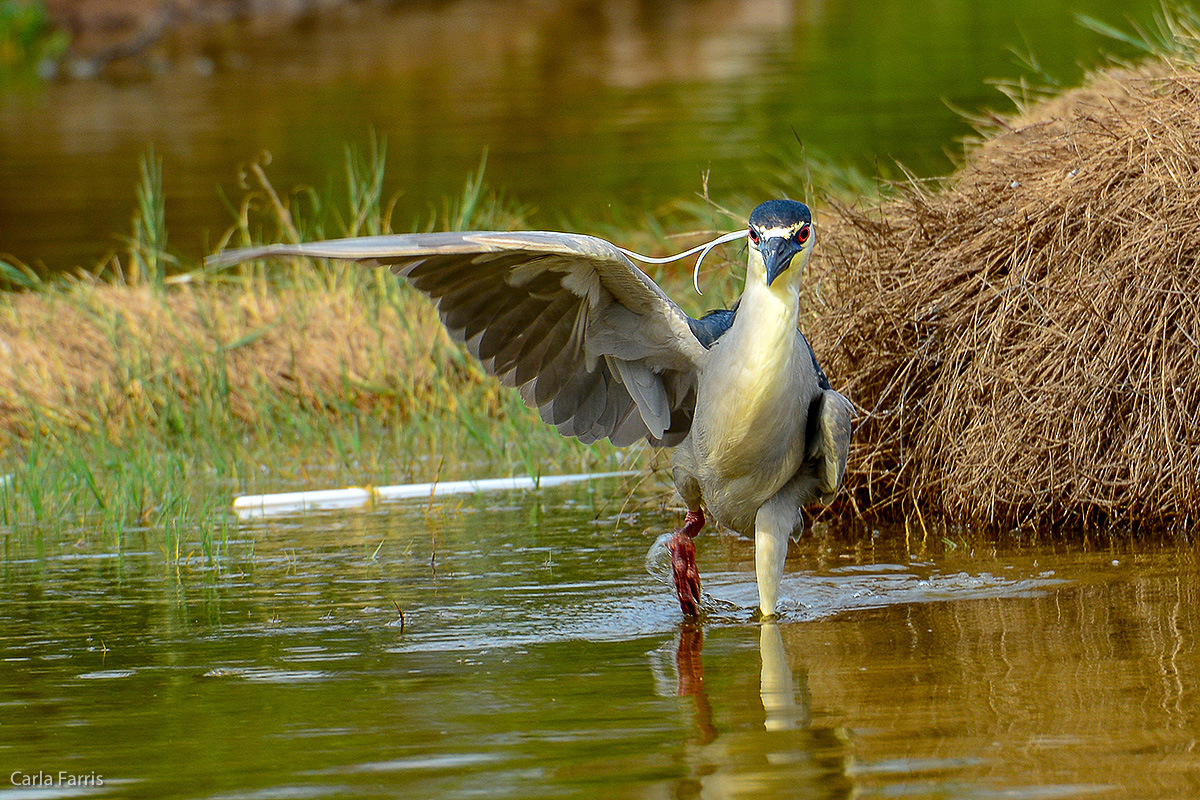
x,y
802,235
754,236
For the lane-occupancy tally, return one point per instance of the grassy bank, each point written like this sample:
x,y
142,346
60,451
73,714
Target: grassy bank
x,y
142,401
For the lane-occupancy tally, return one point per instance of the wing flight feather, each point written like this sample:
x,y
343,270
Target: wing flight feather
x,y
549,313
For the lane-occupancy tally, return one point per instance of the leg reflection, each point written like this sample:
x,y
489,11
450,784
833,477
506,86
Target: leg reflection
x,y
777,686
691,678
776,754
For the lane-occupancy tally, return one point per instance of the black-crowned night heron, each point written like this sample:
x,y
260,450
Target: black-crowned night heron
x,y
601,352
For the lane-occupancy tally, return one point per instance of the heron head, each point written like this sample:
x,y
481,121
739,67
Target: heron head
x,y
780,230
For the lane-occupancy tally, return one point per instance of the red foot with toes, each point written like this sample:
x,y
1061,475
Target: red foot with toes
x,y
683,563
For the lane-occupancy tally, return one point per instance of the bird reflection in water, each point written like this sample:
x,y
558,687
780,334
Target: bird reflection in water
x,y
782,756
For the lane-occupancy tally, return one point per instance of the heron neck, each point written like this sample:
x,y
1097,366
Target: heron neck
x,y
751,379
769,313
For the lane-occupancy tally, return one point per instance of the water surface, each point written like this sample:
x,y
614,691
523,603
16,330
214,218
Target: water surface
x,y
588,111
538,658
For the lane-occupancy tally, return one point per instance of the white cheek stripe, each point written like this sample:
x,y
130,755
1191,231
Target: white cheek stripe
x,y
785,233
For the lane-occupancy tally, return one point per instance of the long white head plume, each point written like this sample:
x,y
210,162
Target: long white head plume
x,y
702,249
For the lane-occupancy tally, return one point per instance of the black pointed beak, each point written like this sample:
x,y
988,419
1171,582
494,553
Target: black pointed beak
x,y
777,256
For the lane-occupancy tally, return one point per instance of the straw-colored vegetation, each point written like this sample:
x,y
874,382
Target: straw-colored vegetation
x,y
1026,335
1021,339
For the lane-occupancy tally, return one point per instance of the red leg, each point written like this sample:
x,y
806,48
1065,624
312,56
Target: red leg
x,y
683,563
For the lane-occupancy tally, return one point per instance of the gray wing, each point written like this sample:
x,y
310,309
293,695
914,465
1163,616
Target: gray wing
x,y
832,444
828,434
588,338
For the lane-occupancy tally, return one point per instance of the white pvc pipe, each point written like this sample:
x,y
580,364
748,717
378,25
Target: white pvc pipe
x,y
262,505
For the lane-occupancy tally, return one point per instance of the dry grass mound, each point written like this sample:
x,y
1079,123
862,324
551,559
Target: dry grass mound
x,y
1025,340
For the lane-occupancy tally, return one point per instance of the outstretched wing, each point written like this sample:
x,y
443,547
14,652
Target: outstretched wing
x,y
588,338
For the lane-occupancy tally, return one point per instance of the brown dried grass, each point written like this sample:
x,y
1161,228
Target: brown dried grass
x,y
106,355
1024,338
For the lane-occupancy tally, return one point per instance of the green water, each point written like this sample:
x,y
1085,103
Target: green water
x,y
539,658
589,112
